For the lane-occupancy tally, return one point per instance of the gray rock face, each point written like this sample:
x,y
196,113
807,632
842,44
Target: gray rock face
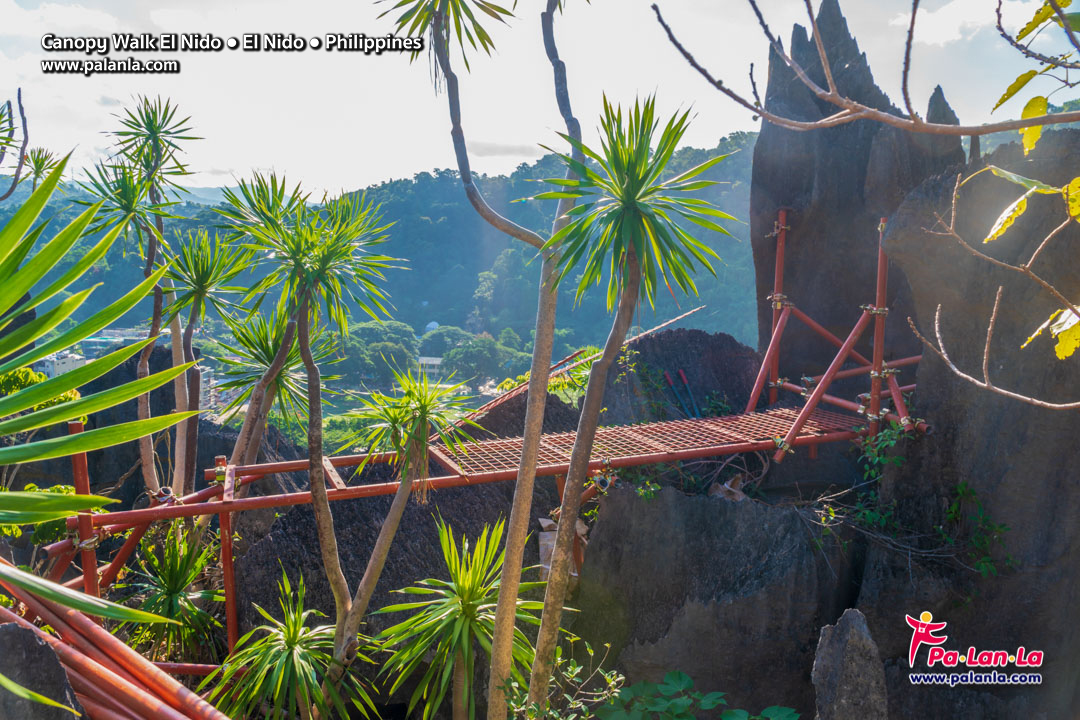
x,y
848,675
718,367
733,594
838,183
29,661
1019,460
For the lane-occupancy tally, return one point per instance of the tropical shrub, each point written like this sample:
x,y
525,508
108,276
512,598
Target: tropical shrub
x,y
456,615
277,669
169,568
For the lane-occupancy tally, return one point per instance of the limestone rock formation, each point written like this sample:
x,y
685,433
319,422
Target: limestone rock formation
x,y
733,594
1019,460
849,678
30,662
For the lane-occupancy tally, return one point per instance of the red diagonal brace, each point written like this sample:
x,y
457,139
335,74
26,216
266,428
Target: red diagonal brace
x,y
768,361
819,389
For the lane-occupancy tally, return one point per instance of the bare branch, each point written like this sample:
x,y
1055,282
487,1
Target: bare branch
x,y
856,110
22,149
753,88
1059,61
1065,24
11,131
907,59
990,336
476,198
941,353
825,64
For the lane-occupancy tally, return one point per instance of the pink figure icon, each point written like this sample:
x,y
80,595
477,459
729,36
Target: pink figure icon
x,y
923,634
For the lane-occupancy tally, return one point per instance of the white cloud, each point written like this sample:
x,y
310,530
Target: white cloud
x,y
961,19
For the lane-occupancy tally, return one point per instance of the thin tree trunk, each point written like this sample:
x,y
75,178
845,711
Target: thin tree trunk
x,y
417,472
194,382
142,370
258,393
181,399
320,504
180,392
22,148
502,642
251,454
561,557
460,697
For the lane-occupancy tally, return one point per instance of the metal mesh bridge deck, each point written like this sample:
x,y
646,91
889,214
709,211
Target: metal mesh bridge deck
x,y
630,445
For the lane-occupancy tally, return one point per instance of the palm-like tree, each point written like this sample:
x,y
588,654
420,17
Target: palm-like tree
x,y
321,261
457,614
138,180
403,424
444,20
259,343
39,163
202,270
624,227
262,206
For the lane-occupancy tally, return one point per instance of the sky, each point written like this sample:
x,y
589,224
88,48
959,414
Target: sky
x,y
339,121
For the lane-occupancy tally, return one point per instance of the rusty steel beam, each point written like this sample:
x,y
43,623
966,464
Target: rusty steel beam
x,y
880,301
87,538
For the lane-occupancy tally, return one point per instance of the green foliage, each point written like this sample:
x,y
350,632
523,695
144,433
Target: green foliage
x,y
321,254
676,699
509,338
628,207
17,241
255,343
482,358
170,566
48,531
575,690
568,386
443,339
202,271
986,538
385,357
418,18
39,163
388,331
402,423
277,669
877,451
456,615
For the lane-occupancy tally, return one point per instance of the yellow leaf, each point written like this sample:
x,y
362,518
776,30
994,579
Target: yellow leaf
x,y
1072,198
1008,217
1044,13
1017,85
1035,107
1067,342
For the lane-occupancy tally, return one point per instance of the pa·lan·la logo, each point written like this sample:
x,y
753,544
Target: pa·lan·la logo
x,y
924,631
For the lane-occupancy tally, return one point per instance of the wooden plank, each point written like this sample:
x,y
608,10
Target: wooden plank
x,y
331,474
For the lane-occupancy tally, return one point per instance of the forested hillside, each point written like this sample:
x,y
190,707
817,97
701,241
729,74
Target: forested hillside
x,y
461,272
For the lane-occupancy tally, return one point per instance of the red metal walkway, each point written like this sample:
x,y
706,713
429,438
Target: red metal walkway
x,y
658,442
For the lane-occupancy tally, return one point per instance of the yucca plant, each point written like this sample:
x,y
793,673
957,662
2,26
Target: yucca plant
x,y
624,227
39,163
202,270
277,669
261,384
444,628
169,567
